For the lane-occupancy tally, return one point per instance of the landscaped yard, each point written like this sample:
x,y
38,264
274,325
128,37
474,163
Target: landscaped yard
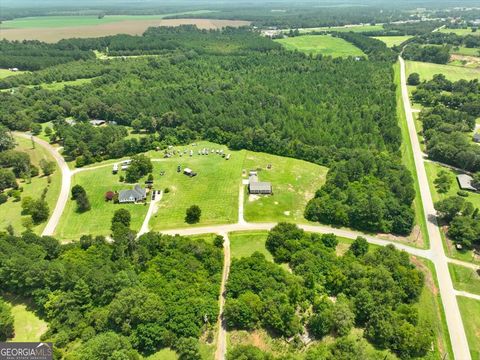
x,y
432,170
470,310
97,221
391,41
464,278
294,183
453,73
11,210
321,44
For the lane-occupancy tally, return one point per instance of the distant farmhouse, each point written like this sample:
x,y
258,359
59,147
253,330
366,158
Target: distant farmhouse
x,y
258,187
137,194
465,182
476,138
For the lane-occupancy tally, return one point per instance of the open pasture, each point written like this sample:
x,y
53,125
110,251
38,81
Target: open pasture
x,y
321,44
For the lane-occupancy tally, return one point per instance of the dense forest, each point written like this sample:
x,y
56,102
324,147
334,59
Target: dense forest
x,y
427,53
329,295
119,299
251,94
450,119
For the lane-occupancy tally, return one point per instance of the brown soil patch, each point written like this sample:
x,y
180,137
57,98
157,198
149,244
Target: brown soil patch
x,y
131,27
469,60
429,282
414,239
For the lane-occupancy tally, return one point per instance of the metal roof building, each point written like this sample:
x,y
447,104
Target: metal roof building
x,y
259,187
134,195
465,182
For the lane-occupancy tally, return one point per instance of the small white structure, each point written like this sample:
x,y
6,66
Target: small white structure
x,y
227,157
115,168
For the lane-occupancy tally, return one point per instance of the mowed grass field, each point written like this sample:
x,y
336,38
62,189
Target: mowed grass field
x,y
470,310
391,41
464,278
321,44
215,190
453,73
294,183
461,32
466,51
245,243
10,212
97,221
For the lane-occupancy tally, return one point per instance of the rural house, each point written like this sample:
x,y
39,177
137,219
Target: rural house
x,y
137,194
259,187
465,182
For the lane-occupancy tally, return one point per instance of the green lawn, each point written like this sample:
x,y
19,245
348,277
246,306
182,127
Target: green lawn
x,y
96,182
80,20
321,44
461,32
10,212
453,73
466,51
464,278
6,73
470,310
360,28
409,162
391,41
28,327
245,243
164,354
294,183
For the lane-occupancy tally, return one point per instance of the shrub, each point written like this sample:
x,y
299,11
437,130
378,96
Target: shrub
x,y
3,198
462,193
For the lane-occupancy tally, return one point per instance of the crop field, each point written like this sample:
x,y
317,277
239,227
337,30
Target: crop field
x,y
453,73
464,278
470,310
391,41
11,210
97,221
55,28
321,44
461,32
294,183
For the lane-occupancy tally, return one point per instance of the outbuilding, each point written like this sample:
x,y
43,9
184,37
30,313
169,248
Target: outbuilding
x,y
259,187
465,182
189,172
476,138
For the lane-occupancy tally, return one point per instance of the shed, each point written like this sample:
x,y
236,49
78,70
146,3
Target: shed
x,y
115,168
260,187
465,182
134,195
476,138
98,122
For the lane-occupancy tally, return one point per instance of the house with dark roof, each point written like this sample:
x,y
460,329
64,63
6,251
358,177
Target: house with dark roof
x,y
134,195
259,187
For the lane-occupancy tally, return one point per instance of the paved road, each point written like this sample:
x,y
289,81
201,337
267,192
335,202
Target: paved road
x,y
221,350
467,294
449,299
49,229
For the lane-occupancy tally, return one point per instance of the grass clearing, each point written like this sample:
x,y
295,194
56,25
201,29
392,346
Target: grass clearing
x,y
453,73
391,41
11,210
466,51
321,44
28,326
409,162
461,32
97,221
464,278
6,73
245,243
470,310
294,183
